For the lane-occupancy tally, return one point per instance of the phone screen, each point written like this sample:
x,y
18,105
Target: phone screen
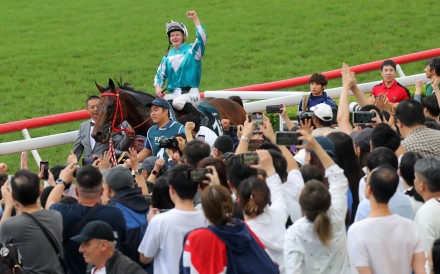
x,y
249,158
44,165
257,117
198,174
274,108
363,117
289,138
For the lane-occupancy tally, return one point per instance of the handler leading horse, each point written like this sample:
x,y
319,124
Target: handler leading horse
x,y
119,103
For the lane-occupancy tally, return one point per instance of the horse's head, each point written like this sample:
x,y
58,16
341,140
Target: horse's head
x,y
107,116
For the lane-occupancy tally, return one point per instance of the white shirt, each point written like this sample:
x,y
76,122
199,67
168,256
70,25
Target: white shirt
x,y
304,252
292,189
385,244
270,225
163,239
92,140
428,223
209,135
399,204
100,271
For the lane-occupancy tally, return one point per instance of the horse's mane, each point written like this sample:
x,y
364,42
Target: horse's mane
x,y
126,86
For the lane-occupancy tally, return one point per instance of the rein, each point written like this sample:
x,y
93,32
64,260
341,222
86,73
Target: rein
x,y
118,111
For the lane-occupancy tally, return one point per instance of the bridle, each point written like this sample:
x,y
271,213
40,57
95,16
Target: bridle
x,y
118,112
113,128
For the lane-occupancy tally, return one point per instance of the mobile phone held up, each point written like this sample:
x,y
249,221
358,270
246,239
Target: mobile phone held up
x,y
363,117
274,108
249,158
44,166
256,117
88,161
198,174
287,138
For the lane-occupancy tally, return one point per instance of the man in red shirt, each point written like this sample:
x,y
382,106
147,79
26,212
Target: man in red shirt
x,y
395,92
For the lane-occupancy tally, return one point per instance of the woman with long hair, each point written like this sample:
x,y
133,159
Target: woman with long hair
x,y
227,245
317,243
346,159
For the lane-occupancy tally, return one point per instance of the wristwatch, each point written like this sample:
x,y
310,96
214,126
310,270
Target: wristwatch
x,y
60,181
154,172
138,171
244,138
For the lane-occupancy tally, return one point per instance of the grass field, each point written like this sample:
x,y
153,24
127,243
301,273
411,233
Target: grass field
x,y
53,51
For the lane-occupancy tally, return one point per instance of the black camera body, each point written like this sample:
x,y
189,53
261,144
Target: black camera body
x,y
165,142
305,115
274,108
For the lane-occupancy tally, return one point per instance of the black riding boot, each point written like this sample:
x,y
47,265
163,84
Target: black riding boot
x,y
188,108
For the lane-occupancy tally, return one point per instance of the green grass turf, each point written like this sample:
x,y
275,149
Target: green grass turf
x,y
53,51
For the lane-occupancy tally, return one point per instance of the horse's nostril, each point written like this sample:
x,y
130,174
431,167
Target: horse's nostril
x,y
98,134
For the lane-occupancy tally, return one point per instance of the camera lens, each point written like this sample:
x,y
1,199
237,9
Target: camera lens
x,y
354,106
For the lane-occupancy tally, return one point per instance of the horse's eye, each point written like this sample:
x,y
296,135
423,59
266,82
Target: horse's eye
x,y
109,108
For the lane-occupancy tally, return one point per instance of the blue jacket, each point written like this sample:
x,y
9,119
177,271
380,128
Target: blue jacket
x,y
315,100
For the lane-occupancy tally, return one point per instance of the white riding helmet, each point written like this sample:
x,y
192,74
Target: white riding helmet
x,y
173,26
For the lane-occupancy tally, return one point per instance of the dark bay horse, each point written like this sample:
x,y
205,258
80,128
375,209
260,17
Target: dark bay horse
x,y
133,110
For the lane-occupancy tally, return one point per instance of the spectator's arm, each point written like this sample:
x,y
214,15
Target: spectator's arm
x,y
343,116
418,92
140,180
144,154
268,132
189,127
286,119
248,132
7,199
57,192
418,263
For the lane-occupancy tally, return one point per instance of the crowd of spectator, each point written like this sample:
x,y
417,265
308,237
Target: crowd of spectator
x,y
349,198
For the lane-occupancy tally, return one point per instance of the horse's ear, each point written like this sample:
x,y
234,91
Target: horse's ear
x,y
100,88
111,84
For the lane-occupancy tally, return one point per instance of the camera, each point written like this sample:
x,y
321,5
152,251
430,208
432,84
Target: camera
x,y
363,117
274,108
165,142
198,174
289,138
305,115
249,158
354,106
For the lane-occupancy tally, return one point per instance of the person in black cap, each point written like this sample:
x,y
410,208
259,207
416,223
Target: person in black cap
x,y
164,127
222,145
98,246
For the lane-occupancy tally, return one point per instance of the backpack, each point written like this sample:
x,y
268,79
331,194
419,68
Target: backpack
x,y
10,259
136,226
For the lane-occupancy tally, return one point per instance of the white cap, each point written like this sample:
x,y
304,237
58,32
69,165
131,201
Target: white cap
x,y
323,111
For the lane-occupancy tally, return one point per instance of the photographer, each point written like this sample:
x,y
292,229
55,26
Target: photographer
x,y
163,127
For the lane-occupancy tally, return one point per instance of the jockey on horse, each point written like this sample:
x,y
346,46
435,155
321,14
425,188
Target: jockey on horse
x,y
182,66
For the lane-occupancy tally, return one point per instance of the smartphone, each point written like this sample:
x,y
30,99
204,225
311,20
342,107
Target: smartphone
x,y
198,174
363,117
256,117
88,161
44,165
249,158
233,128
287,138
254,144
274,108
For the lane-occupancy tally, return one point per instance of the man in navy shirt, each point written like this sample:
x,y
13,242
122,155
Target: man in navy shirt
x,y
164,127
317,94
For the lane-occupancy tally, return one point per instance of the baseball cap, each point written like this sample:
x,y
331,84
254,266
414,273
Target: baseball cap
x,y
119,178
362,138
327,145
95,230
158,102
323,111
224,144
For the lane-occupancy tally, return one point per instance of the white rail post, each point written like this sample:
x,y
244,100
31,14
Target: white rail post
x,y
400,71
35,153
